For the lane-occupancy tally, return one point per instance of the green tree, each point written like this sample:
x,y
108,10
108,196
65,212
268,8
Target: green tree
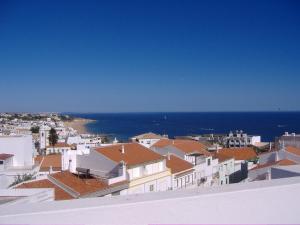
x,y
53,137
35,130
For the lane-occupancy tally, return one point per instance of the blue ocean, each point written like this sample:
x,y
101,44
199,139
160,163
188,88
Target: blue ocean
x,y
125,125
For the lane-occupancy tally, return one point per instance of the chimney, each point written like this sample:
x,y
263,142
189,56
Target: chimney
x,y
169,156
123,149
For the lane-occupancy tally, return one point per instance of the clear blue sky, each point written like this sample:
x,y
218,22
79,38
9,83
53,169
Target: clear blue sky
x,y
116,56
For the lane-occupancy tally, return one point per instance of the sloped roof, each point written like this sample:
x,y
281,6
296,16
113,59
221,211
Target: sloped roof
x,y
79,185
4,156
187,146
60,145
177,164
134,153
60,194
246,153
149,135
283,162
293,150
49,160
222,157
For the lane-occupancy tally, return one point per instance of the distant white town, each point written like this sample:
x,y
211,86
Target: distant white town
x,y
44,158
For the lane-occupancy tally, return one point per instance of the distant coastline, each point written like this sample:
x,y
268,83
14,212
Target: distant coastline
x,y
79,124
125,125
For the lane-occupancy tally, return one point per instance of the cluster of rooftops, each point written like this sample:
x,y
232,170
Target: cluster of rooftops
x,y
69,185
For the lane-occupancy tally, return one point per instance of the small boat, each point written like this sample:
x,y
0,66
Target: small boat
x,y
207,128
281,125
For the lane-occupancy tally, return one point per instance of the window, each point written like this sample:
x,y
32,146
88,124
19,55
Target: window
x,y
151,187
208,162
187,179
1,162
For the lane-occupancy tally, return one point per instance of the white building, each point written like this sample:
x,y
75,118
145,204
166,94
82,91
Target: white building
x,y
58,148
183,173
148,139
89,141
69,157
240,139
244,160
144,169
17,158
44,136
226,168
21,147
247,203
195,153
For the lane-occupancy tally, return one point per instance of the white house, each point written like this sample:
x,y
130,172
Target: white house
x,y
58,148
148,139
183,174
143,169
244,160
226,168
17,154
69,157
195,153
21,147
90,141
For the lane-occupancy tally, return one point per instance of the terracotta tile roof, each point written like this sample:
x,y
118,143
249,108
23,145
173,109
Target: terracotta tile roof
x,y
79,185
293,150
163,143
4,156
187,146
149,135
246,153
49,160
283,162
60,194
134,153
222,157
177,165
60,145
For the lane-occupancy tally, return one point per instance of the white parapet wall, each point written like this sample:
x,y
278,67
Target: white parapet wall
x,y
25,196
21,146
264,202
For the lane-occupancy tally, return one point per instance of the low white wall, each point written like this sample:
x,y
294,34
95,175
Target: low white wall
x,y
219,205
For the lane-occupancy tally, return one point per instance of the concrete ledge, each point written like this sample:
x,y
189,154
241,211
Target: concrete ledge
x,y
263,202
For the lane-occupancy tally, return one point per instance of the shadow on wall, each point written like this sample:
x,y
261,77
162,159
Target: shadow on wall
x,y
240,175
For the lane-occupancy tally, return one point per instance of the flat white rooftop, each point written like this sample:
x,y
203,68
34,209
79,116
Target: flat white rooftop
x,y
272,202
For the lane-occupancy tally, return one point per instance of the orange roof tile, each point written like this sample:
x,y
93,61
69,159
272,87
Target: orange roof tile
x,y
149,135
49,160
246,153
293,150
177,164
187,146
283,162
134,153
60,194
60,145
4,156
81,186
222,157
